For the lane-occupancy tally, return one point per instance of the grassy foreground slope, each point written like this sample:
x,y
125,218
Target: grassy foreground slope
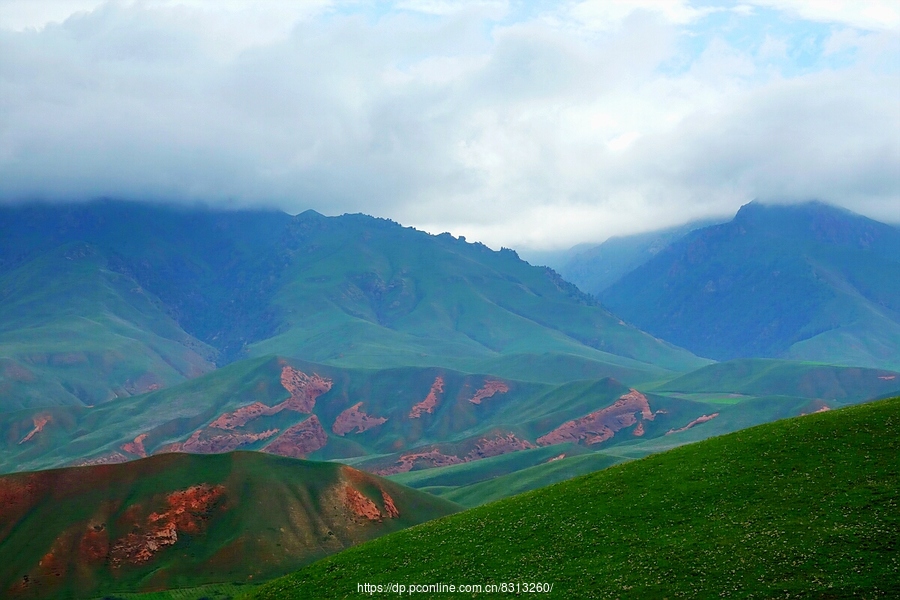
x,y
806,506
179,520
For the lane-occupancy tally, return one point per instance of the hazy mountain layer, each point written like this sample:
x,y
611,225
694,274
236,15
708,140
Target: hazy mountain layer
x,y
809,282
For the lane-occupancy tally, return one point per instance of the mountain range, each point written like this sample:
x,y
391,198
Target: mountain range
x,y
168,373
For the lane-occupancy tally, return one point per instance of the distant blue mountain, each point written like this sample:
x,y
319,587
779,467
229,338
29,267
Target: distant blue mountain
x,y
806,281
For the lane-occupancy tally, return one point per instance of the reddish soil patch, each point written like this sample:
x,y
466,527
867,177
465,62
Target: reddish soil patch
x,y
355,418
299,440
484,448
697,421
360,505
603,424
489,389
639,430
502,444
430,401
137,446
389,507
94,544
186,511
214,444
304,389
555,458
18,495
431,458
39,422
104,459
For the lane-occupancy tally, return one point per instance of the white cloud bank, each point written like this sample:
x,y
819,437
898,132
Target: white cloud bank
x,y
541,130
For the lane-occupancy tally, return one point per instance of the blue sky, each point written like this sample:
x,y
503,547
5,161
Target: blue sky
x,y
525,124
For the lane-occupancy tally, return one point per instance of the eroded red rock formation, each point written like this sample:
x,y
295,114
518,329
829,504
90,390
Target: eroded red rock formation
x,y
186,511
354,418
299,440
484,448
639,430
215,443
697,421
389,507
603,424
427,405
360,505
489,388
431,458
40,421
304,389
502,444
104,459
137,446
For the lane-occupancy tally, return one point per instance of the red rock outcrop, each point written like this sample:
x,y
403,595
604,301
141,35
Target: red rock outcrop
x,y
502,444
639,430
389,507
697,421
216,443
484,448
427,405
556,458
432,458
603,424
489,388
352,418
40,421
137,446
299,440
104,459
304,389
360,505
187,511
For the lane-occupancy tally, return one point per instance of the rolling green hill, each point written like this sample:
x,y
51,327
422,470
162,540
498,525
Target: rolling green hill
x,y
178,520
804,507
803,282
74,332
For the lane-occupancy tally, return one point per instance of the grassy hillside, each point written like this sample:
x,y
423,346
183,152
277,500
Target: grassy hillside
x,y
179,520
763,377
74,332
407,419
805,282
802,507
100,299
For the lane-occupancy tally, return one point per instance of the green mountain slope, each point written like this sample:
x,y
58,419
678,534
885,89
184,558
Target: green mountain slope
x,y
186,286
179,520
596,268
74,332
804,507
807,282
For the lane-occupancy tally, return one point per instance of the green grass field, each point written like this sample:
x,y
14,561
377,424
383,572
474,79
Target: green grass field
x,y
805,507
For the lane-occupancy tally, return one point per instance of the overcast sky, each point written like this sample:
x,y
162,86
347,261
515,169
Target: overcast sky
x,y
525,124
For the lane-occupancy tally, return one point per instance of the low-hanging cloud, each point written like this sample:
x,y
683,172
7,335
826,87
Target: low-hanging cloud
x,y
537,130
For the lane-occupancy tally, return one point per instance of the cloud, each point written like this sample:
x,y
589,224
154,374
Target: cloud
x,y
518,129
